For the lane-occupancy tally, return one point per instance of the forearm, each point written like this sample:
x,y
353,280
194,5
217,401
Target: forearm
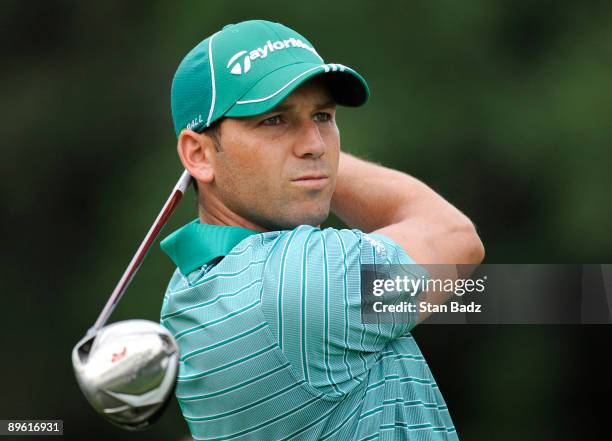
x,y
369,196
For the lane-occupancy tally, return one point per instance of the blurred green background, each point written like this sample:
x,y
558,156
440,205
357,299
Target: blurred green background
x,y
498,105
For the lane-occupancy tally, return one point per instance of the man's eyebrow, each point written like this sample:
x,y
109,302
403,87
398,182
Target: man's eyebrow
x,y
280,108
326,105
283,107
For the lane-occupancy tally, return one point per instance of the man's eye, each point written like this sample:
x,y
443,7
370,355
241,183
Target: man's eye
x,y
322,117
272,121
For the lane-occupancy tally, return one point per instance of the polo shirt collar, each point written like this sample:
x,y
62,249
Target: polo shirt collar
x,y
196,244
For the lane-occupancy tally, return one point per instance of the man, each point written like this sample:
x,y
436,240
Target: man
x,y
265,305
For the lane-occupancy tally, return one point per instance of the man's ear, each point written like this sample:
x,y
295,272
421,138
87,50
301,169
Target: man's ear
x,y
196,151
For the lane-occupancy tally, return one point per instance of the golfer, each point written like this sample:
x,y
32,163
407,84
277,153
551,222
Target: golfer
x,y
264,304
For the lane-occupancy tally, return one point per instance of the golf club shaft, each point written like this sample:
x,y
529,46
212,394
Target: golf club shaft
x,y
132,268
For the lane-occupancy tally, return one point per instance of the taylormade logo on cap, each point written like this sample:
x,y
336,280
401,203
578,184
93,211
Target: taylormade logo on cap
x,y
244,65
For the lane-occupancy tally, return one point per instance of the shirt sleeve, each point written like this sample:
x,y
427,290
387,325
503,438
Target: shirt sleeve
x,y
311,297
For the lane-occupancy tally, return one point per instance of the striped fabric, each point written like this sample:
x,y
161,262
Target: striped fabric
x,y
273,348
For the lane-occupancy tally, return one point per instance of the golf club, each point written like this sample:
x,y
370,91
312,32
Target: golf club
x,y
127,370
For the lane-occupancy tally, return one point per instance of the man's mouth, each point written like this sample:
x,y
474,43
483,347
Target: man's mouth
x,y
315,180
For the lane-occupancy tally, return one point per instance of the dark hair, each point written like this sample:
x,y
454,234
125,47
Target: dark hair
x,y
214,132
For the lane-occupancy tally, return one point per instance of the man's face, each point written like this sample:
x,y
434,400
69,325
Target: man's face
x,y
278,170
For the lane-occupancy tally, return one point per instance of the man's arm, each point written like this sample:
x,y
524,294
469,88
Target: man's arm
x,y
377,199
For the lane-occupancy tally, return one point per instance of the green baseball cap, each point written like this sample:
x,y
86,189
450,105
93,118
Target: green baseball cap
x,y
248,68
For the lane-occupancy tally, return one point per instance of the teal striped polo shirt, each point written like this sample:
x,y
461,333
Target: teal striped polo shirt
x,y
272,345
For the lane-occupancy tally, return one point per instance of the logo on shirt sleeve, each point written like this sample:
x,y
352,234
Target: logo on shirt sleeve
x,y
377,245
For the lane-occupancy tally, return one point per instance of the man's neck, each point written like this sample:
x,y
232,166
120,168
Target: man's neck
x,y
213,212
235,221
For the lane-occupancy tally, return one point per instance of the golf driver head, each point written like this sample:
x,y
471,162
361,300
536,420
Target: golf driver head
x,y
127,371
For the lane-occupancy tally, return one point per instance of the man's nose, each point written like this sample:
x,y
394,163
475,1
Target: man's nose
x,y
309,142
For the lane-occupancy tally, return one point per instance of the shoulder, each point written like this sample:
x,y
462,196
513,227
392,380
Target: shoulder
x,y
306,245
309,239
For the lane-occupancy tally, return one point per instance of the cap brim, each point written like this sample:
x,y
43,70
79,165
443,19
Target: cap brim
x,y
347,87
